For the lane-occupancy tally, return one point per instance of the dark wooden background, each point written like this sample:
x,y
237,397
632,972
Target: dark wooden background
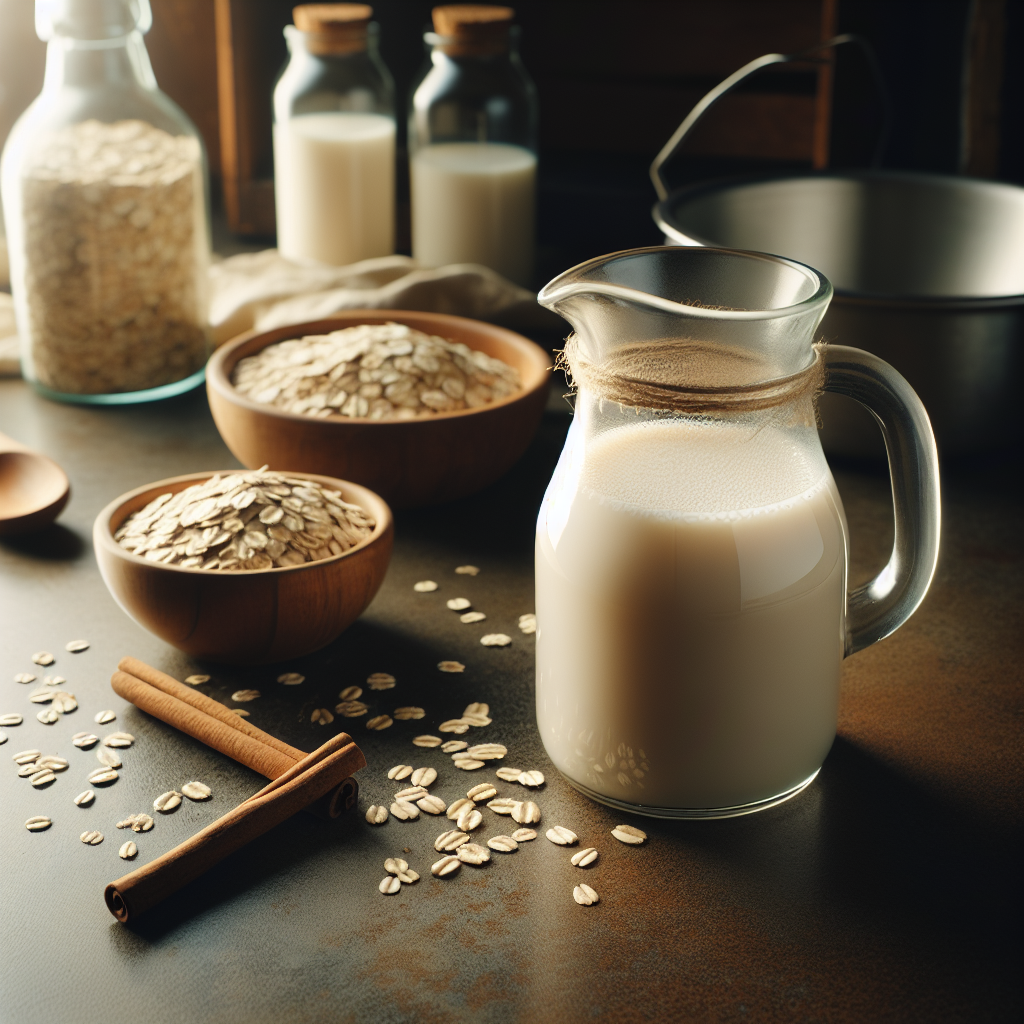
x,y
614,80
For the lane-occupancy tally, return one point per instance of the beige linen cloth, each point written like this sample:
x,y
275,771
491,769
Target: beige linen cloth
x,y
263,290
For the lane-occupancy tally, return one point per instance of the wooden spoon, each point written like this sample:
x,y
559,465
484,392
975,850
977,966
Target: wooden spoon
x,y
33,489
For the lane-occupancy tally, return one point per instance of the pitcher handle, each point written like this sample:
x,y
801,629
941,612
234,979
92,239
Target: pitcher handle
x,y
881,606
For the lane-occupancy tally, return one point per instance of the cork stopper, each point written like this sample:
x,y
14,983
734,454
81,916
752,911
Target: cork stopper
x,y
473,29
333,28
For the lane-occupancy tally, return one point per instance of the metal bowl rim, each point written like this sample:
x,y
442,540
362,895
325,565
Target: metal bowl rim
x,y
661,210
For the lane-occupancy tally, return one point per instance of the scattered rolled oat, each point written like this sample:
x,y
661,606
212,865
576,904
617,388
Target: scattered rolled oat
x,y
503,844
167,802
403,810
54,680
380,722
104,717
373,371
477,708
351,708
389,885
456,806
508,774
426,741
496,640
526,813
454,746
562,836
196,791
425,587
85,740
108,757
424,776
376,814
503,805
488,751
467,764
128,851
91,838
479,721
584,895
399,772
351,693
458,604
395,865
473,853
43,658
41,696
531,778
101,776
241,712
524,835
445,866
10,719
445,666
197,680
432,805
76,646
470,617
119,739
629,835
411,793
450,840
466,570
291,678
29,768
137,823
40,823
245,695
84,799
41,778
64,703
24,677
381,681
408,714
48,716
469,819
26,756
321,715
584,858
528,623
482,792
454,725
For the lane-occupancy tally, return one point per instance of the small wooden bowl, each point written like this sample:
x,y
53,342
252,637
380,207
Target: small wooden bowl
x,y
244,618
409,462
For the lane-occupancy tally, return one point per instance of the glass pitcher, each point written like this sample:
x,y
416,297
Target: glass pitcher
x,y
692,549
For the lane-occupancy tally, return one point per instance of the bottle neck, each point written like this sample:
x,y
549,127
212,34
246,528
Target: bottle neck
x,y
121,62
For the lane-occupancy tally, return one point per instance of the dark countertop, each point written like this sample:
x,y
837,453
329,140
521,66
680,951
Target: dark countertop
x,y
887,891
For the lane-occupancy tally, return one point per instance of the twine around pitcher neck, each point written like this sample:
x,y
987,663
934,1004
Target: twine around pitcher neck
x,y
625,377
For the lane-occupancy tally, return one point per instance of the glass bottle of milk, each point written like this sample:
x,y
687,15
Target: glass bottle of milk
x,y
472,145
334,139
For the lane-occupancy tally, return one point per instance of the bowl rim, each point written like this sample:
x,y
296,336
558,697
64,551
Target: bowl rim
x,y
218,368
103,534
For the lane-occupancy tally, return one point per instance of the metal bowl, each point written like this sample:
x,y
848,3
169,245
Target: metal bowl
x,y
928,273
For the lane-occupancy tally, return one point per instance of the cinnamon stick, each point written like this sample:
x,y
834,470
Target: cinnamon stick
x,y
170,685
259,756
308,780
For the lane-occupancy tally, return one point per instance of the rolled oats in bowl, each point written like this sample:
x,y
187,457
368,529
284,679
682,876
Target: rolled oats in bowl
x,y
115,258
245,521
373,371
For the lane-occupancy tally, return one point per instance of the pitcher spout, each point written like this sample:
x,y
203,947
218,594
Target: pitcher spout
x,y
762,308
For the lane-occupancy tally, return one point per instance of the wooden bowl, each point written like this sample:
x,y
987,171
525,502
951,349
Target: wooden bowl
x,y
244,618
424,461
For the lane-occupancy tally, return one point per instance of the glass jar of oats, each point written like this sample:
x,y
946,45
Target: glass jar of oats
x,y
105,199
